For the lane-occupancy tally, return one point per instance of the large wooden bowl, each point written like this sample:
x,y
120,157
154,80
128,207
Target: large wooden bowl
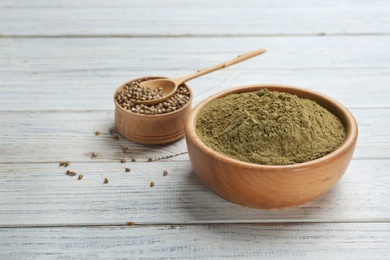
x,y
268,186
151,129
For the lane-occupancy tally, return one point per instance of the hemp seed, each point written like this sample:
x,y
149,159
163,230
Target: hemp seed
x,y
152,184
127,170
81,176
123,160
97,133
93,155
165,173
133,159
105,181
61,163
70,173
126,150
67,163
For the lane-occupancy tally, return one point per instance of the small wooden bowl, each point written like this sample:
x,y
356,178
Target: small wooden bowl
x,y
269,186
151,129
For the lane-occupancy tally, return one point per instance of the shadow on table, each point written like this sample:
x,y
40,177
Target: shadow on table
x,y
208,207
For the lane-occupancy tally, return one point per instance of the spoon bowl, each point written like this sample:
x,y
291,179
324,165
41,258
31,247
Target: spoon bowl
x,y
168,87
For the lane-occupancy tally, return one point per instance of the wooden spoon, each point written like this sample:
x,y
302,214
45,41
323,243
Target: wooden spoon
x,y
169,86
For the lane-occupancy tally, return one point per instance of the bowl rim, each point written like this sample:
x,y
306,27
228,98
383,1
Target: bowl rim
x,y
151,116
350,126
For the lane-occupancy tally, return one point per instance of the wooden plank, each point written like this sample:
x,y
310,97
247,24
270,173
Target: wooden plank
x,y
82,74
29,137
43,195
97,55
49,137
314,241
192,18
90,91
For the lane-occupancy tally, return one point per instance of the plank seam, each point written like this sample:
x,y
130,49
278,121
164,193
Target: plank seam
x,y
132,224
191,35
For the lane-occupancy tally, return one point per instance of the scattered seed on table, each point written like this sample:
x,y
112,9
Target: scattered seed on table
x,y
126,150
127,170
97,133
111,131
152,184
116,138
133,159
130,223
70,173
80,176
123,160
150,160
93,155
66,164
165,173
61,163
105,180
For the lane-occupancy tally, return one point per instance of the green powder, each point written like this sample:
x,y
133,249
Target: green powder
x,y
269,127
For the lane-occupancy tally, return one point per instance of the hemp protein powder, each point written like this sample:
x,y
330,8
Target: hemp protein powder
x,y
269,127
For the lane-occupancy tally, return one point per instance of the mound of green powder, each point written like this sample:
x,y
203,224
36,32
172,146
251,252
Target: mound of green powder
x,y
269,127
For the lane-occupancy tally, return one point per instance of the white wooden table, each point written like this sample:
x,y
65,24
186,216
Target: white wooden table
x,y
60,62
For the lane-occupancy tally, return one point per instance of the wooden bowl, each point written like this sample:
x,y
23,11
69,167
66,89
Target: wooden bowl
x,y
151,129
271,186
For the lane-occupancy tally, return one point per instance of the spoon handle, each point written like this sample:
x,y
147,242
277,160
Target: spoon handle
x,y
204,71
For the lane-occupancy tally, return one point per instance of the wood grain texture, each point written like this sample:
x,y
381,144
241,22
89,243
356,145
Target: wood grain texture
x,y
60,63
290,241
49,137
43,195
71,136
82,74
113,55
88,91
192,18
